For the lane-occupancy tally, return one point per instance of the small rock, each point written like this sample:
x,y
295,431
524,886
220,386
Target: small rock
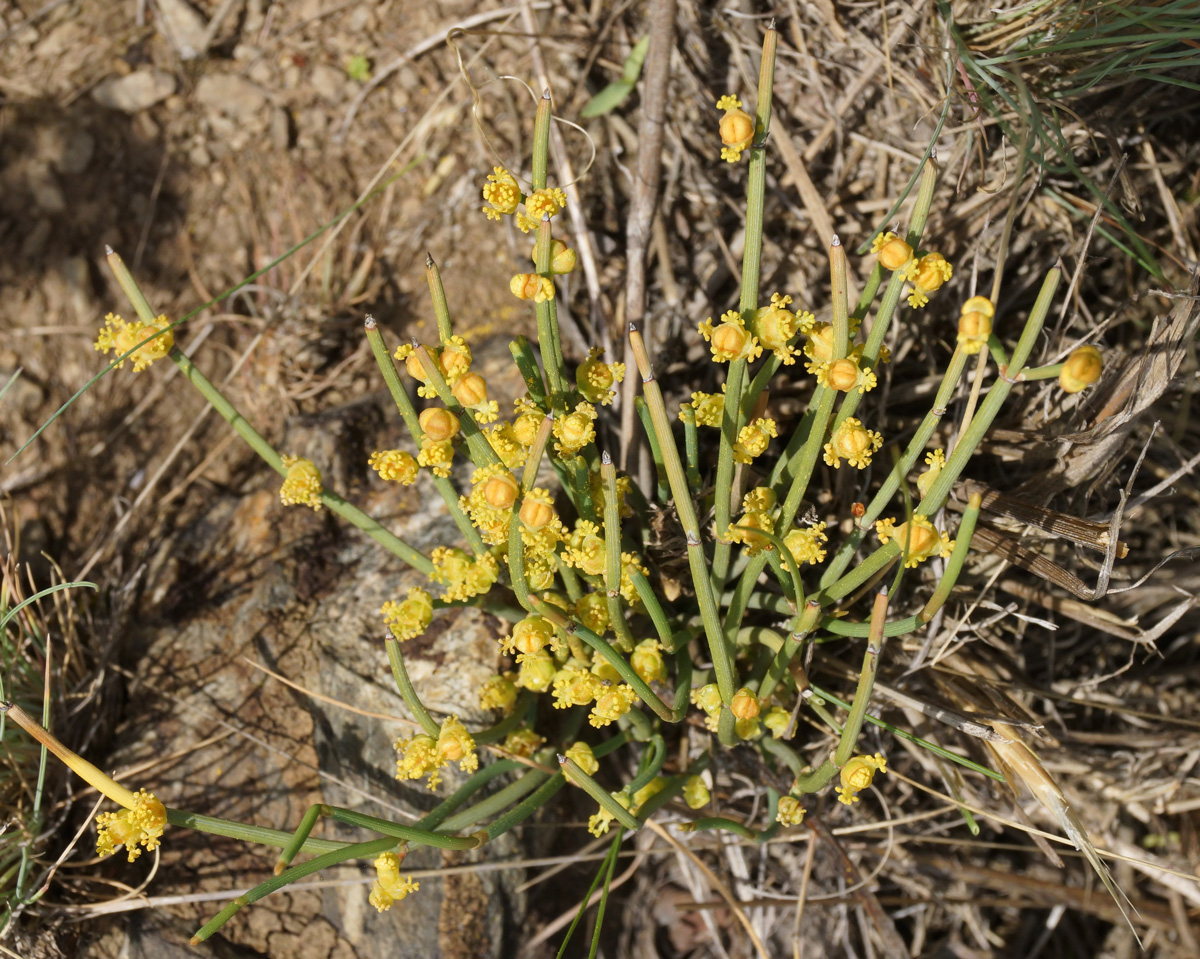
x,y
182,26
137,91
329,82
231,95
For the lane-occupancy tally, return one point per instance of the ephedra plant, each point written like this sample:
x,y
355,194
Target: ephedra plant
x,y
603,659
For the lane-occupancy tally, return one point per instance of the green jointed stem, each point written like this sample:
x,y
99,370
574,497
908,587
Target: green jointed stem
x,y
654,608
578,777
681,493
866,682
541,140
660,472
533,460
783,753
962,544
240,831
409,694
352,514
516,559
838,295
748,303
904,734
413,835
480,447
526,808
475,783
599,645
409,414
691,445
995,398
527,365
500,800
358,850
612,554
652,761
891,483
437,293
547,319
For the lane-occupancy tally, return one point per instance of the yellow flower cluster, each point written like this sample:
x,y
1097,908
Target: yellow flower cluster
x,y
523,742
595,379
695,792
395,466
388,886
498,692
137,827
857,775
936,461
846,374
647,661
918,539
805,544
852,442
504,197
752,439
730,340
411,617
708,698
756,519
708,407
776,327
302,484
494,490
599,823
585,548
530,635
463,576
575,430
926,275
790,812
452,360
118,336
422,755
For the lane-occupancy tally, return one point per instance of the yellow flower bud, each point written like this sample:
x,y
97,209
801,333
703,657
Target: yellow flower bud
x,y
647,661
502,193
583,757
777,720
531,634
523,742
805,544
923,539
471,390
537,671
501,491
389,887
140,825
927,275
537,511
1081,369
498,692
438,423
120,337
893,252
592,610
695,792
531,286
562,257
974,328
744,704
707,698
